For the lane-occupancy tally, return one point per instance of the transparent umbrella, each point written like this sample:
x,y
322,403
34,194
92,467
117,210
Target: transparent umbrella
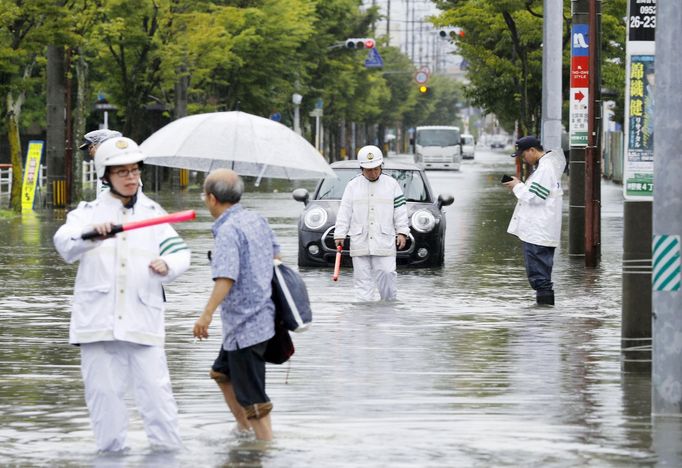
x,y
250,145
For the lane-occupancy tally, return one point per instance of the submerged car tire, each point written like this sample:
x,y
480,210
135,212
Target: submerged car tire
x,y
303,260
441,255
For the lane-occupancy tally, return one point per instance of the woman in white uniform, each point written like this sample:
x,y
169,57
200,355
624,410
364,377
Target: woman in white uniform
x,y
117,315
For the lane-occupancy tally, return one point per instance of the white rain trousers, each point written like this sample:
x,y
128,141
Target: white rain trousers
x,y
372,272
107,368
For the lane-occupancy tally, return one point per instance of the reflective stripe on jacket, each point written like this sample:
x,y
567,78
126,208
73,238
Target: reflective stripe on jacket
x,y
537,216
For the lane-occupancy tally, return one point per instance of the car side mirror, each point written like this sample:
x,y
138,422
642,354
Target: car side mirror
x,y
301,195
445,200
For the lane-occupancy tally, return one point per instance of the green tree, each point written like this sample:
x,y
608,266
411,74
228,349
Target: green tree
x,y
502,43
247,58
24,33
129,56
350,92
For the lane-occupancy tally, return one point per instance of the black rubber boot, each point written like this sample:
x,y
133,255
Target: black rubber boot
x,y
545,297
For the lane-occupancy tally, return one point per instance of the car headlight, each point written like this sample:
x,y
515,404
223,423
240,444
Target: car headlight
x,y
423,221
315,218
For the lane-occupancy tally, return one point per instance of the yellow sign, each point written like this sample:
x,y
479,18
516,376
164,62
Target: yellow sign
x,y
31,174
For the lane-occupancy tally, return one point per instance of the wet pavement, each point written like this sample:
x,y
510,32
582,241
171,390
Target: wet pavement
x,y
465,370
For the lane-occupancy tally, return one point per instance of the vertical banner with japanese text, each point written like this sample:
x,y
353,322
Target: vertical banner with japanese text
x,y
638,180
580,78
31,174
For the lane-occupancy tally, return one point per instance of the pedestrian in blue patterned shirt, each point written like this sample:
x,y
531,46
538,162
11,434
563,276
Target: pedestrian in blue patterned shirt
x,y
241,267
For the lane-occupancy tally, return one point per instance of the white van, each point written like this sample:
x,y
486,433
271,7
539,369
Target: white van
x,y
468,146
438,147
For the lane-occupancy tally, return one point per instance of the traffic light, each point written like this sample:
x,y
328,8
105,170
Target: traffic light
x,y
451,33
360,43
424,89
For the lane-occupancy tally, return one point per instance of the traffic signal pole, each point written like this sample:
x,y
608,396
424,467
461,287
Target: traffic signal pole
x,y
576,202
592,154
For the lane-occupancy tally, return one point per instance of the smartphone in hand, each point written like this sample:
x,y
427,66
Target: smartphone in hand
x,y
506,178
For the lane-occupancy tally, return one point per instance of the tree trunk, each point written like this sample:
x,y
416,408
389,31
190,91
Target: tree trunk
x,y
14,139
181,87
79,125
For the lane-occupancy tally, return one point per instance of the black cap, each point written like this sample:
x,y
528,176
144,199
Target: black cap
x,y
524,143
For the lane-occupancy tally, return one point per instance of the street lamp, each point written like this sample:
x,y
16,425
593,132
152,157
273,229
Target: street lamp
x,y
296,99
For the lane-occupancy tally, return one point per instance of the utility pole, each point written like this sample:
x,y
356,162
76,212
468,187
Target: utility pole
x,y
636,323
592,154
388,23
407,25
667,300
421,43
374,24
577,130
69,166
412,33
551,74
56,88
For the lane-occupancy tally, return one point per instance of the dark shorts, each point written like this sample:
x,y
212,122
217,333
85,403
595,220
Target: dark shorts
x,y
245,369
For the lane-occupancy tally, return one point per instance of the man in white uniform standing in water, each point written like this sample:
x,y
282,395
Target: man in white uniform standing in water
x,y
373,214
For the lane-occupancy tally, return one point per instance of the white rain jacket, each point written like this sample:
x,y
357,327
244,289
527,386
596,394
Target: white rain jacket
x,y
371,213
537,216
116,295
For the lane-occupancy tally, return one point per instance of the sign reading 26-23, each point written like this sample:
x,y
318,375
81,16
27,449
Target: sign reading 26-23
x,y
642,20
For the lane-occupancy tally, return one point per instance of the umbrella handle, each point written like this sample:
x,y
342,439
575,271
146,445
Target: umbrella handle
x,y
337,263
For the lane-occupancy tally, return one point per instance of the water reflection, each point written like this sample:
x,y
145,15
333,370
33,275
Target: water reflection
x,y
463,370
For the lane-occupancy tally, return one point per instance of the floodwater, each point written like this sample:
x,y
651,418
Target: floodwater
x,y
465,370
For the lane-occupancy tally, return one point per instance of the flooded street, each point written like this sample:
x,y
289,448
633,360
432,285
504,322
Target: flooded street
x,y
464,370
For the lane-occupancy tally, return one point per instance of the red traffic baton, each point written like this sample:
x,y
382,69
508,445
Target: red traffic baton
x,y
337,263
178,217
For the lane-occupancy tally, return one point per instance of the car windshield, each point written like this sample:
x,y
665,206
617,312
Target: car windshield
x,y
410,181
438,137
468,140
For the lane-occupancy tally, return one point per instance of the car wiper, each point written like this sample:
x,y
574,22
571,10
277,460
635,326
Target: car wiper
x,y
323,195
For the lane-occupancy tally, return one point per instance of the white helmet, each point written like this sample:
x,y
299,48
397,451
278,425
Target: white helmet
x,y
116,152
370,157
97,137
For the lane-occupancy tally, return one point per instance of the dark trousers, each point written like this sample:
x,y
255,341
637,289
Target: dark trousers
x,y
539,262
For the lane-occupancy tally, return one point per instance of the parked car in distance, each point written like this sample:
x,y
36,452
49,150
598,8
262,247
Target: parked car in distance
x,y
425,244
498,141
468,146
